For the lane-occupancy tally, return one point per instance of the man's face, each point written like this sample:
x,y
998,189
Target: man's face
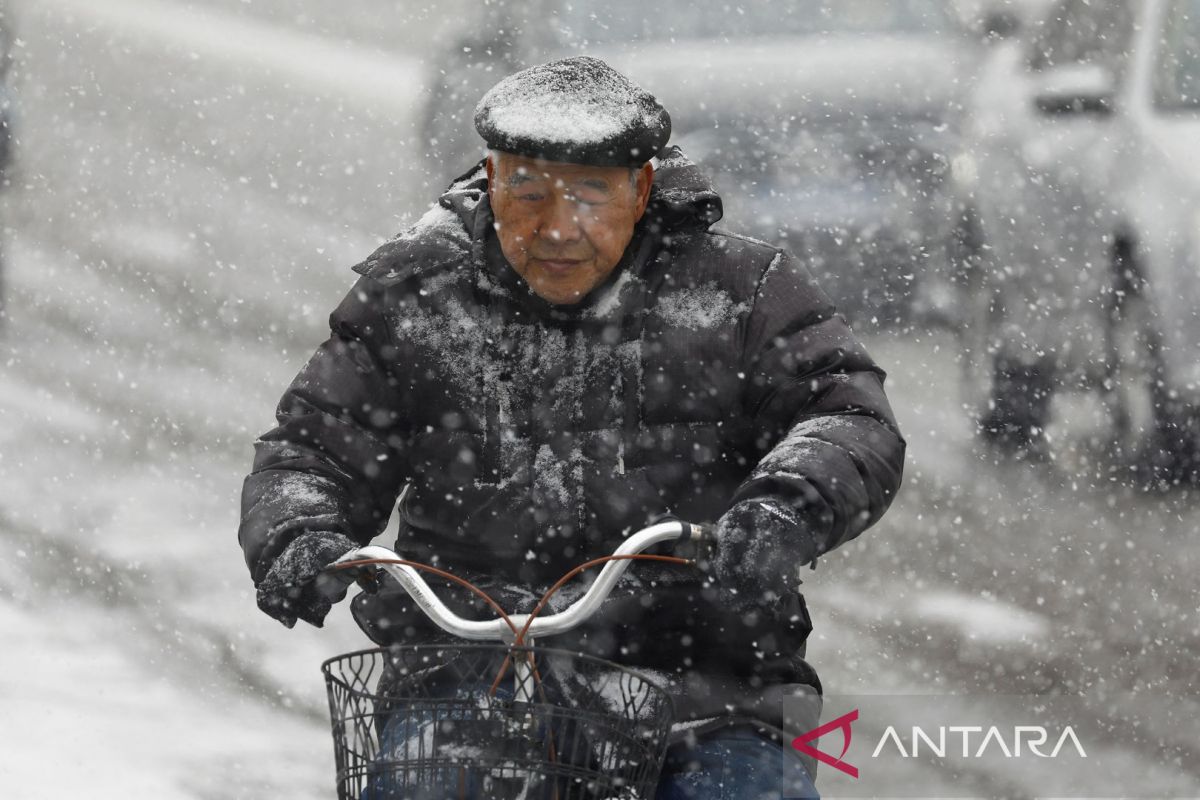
x,y
564,227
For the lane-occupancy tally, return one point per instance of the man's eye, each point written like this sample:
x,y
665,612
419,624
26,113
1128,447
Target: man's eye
x,y
530,197
591,199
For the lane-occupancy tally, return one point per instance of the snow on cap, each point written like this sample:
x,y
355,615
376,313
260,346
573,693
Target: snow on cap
x,y
578,110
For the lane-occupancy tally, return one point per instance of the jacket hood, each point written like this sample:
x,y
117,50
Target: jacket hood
x,y
681,198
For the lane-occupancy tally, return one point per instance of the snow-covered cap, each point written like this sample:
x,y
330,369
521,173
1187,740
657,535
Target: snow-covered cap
x,y
578,110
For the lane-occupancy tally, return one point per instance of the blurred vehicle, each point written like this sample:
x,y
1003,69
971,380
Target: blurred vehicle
x,y
1088,159
829,126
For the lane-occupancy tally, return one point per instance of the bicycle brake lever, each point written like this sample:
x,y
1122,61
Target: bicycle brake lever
x,y
369,581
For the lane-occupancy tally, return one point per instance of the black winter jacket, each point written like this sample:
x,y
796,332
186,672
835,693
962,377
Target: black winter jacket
x,y
708,370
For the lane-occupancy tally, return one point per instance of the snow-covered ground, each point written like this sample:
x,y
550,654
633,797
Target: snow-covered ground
x,y
193,185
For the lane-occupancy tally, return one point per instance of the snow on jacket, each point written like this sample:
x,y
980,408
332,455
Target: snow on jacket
x,y
527,438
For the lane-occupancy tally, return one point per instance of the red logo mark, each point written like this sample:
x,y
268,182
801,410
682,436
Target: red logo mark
x,y
842,722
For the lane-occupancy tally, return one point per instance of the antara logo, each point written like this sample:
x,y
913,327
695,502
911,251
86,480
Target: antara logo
x,y
1034,737
842,723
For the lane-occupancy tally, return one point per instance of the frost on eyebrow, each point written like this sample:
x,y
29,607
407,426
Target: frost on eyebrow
x,y
519,178
595,183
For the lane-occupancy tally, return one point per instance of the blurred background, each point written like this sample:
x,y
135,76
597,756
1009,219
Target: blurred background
x,y
1002,197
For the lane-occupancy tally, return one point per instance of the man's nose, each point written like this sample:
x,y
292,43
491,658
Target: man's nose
x,y
561,222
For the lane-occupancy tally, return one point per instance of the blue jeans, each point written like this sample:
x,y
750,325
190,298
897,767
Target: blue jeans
x,y
733,763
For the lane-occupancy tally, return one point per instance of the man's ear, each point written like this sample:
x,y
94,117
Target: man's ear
x,y
645,180
487,164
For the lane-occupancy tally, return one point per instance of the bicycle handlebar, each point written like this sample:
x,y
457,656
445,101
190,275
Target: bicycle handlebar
x,y
549,625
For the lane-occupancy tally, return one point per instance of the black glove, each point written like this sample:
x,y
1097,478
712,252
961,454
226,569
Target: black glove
x,y
289,591
760,547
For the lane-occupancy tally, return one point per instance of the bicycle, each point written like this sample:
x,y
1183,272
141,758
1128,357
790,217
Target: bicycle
x,y
416,721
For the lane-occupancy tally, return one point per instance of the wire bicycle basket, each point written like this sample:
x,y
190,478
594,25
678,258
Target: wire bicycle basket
x,y
494,721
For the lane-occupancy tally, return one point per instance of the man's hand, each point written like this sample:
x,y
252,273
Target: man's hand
x,y
760,547
290,591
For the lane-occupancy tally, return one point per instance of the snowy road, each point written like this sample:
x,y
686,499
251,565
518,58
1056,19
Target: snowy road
x,y
190,195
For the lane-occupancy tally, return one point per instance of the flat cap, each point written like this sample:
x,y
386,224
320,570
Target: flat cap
x,y
578,110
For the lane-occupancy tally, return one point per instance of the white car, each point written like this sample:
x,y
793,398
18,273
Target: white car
x,y
1087,153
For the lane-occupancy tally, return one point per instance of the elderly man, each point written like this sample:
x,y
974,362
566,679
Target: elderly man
x,y
560,350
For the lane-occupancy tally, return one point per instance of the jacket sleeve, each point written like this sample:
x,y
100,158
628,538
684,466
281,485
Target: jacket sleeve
x,y
830,453
334,463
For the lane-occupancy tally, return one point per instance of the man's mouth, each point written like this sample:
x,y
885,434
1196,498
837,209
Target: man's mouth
x,y
559,265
